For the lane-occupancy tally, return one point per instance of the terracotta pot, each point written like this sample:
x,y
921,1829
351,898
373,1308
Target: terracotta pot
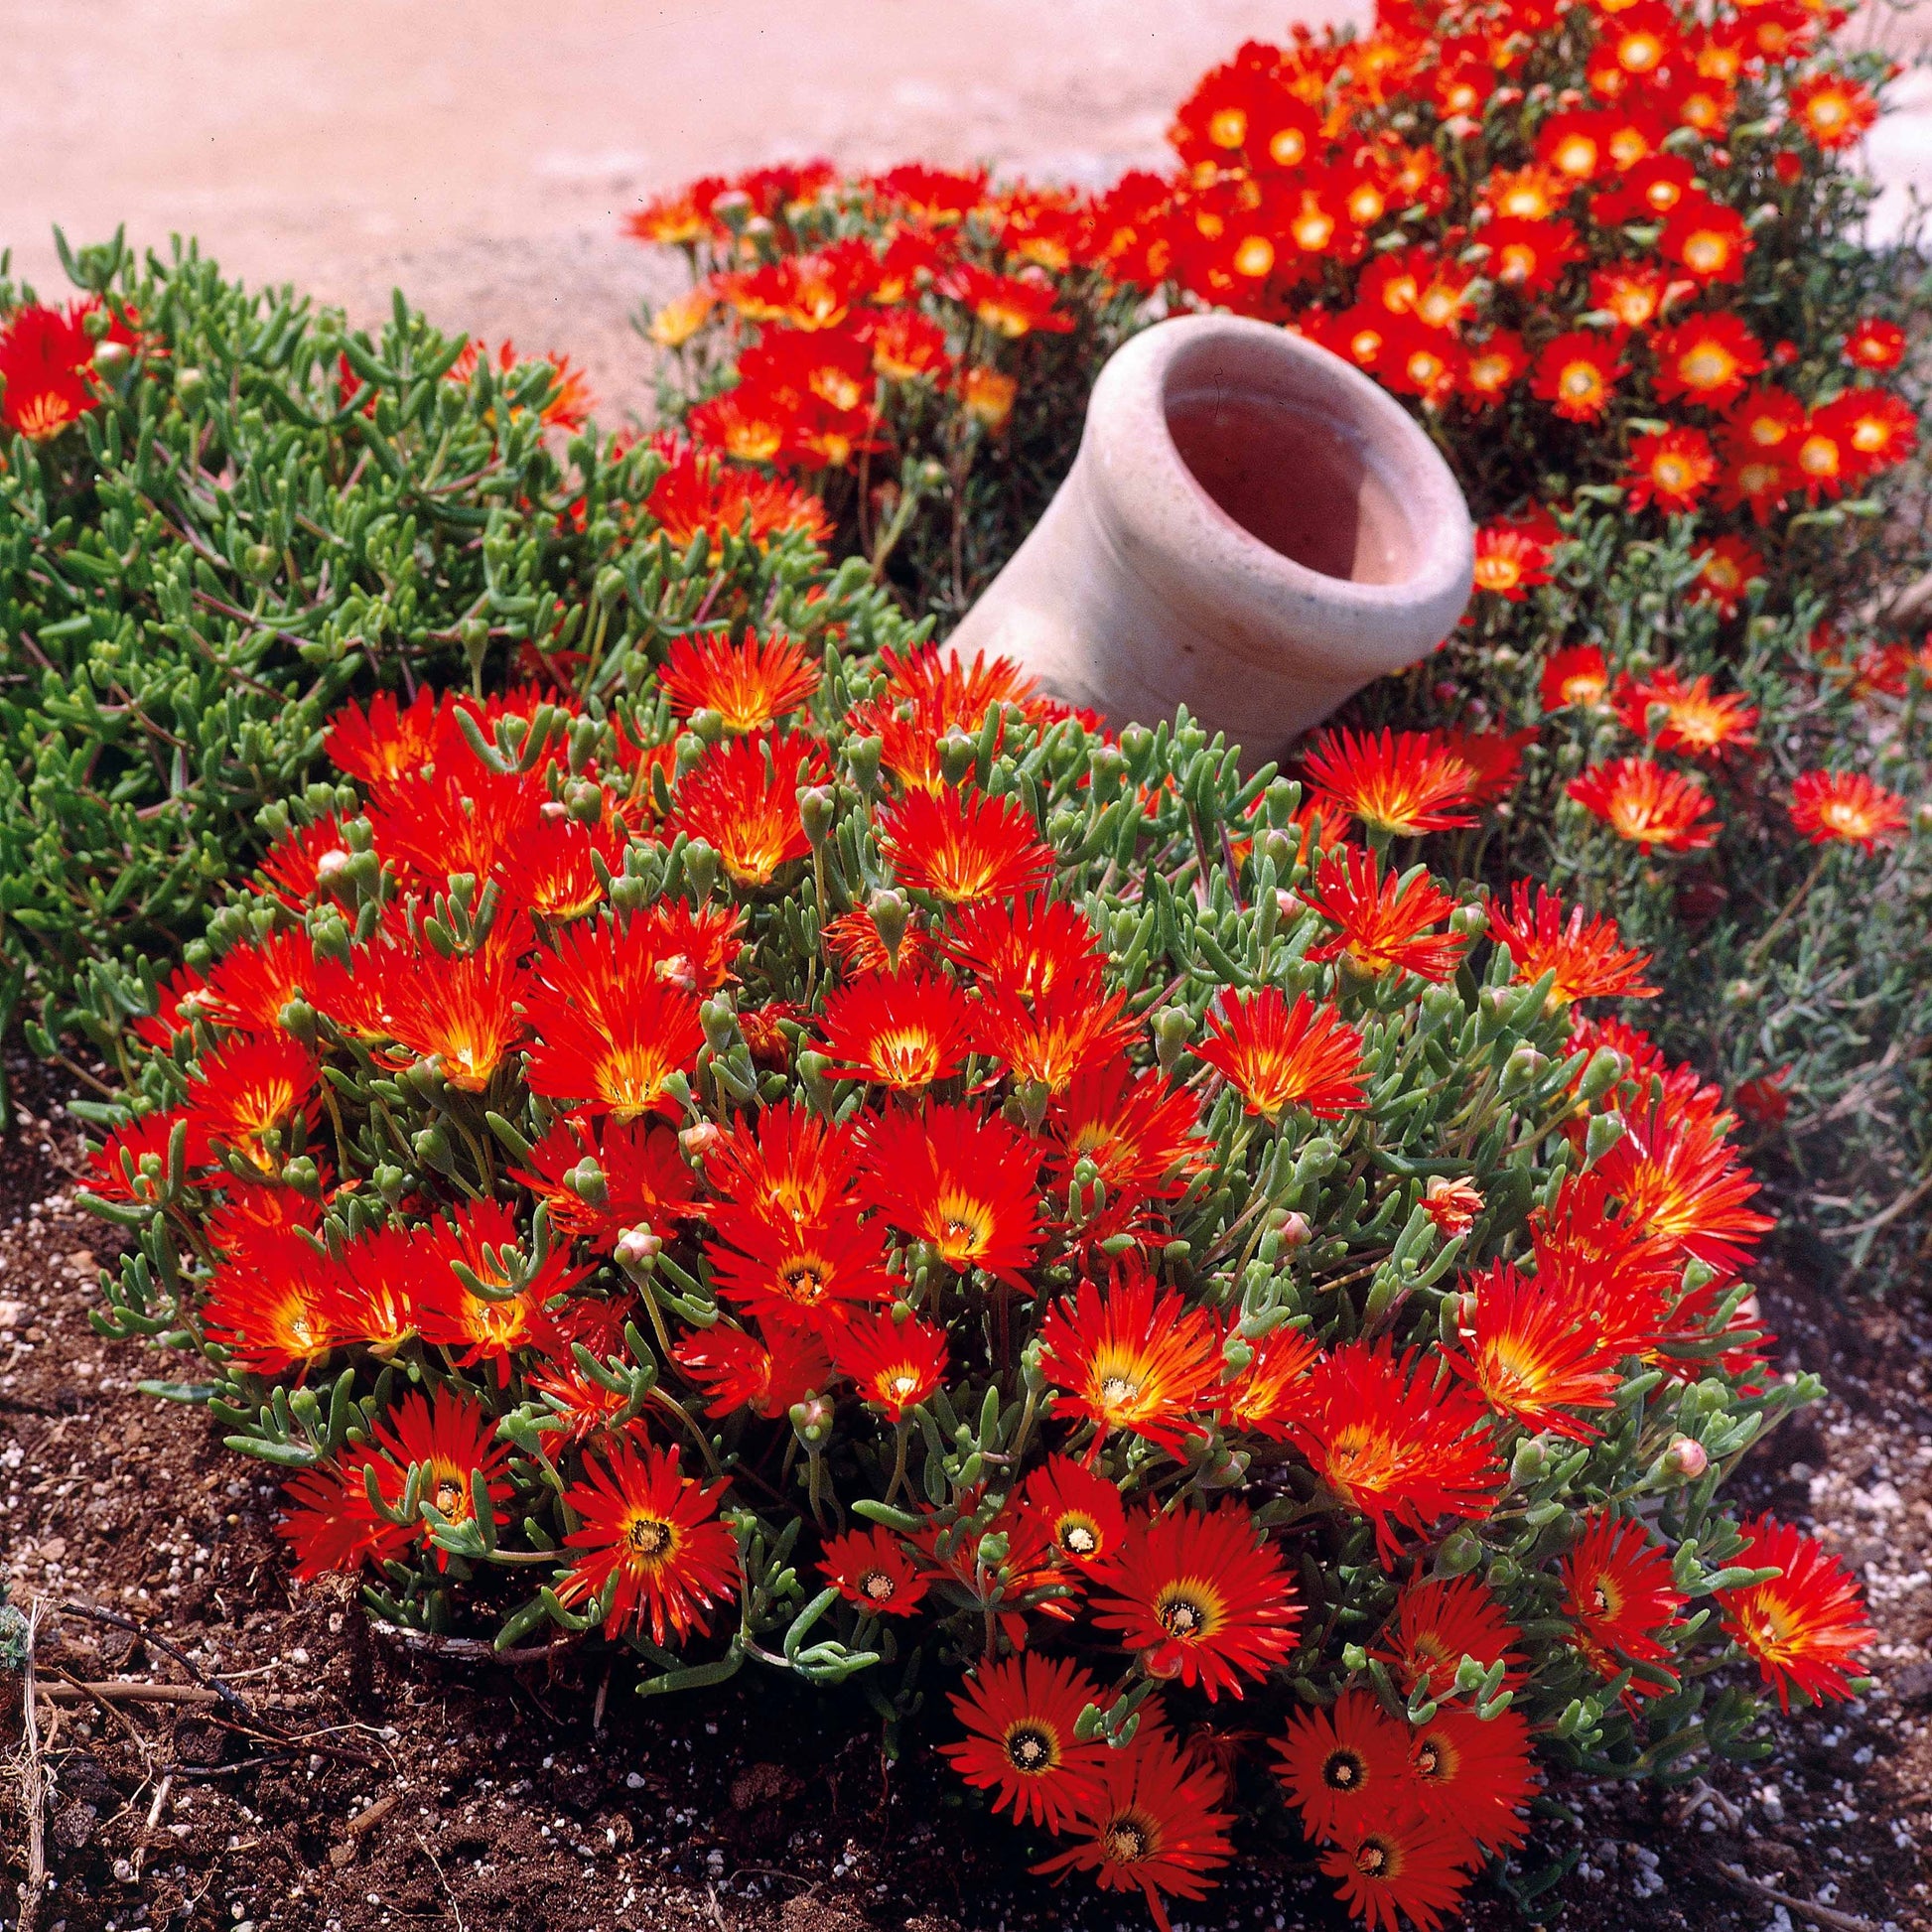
x,y
1251,528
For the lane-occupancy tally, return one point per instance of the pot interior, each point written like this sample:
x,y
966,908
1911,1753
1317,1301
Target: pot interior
x,y
1281,457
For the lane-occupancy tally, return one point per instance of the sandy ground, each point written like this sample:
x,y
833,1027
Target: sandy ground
x,y
481,152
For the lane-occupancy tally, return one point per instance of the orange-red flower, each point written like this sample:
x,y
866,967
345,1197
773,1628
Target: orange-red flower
x,y
1344,1766
1510,560
382,742
1680,1184
1576,376
1395,1446
1268,1395
960,1180
870,1567
1384,924
1393,781
743,800
737,1370
1846,805
1873,343
1805,1627
1833,110
1576,675
1404,1865
1587,956
1150,1825
652,1548
897,1364
1133,1357
1706,239
749,685
1438,1622
1670,467
1685,717
46,371
1647,805
793,1269
251,1094
1533,1352
1706,359
1020,1715
1726,566
1079,1512
1142,1135
1619,1594
1011,306
1202,1596
962,847
1278,1057
896,1029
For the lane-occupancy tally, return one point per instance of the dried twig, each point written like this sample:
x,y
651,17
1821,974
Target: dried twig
x,y
233,1699
448,1892
127,1690
155,1810
474,1649
1804,1907
33,1786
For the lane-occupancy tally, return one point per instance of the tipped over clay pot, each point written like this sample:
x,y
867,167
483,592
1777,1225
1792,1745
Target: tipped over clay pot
x,y
1251,528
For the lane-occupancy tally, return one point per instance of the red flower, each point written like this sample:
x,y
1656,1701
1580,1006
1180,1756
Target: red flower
x,y
1576,675
46,371
743,800
1685,717
739,1371
1078,1512
1011,306
751,685
1533,1352
1643,802
1726,567
1576,376
962,847
1846,805
651,1545
1268,1395
1706,359
1133,1357
1529,255
1048,1040
1874,344
1587,956
959,1179
640,1176
379,744
869,1568
1142,1135
1805,1627
1833,110
1344,1766
276,1302
1671,468
1510,560
251,1094
1150,1825
897,1364
1618,1593
1393,781
1706,239
896,1029
1404,1863
452,1443
483,1238
1438,1622
1680,1184
811,1271
1278,1057
1202,1596
1020,1715
1393,1447
1383,924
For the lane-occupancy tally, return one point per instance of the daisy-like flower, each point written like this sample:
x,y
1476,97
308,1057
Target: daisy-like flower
x,y
131,1164
1633,292
1878,428
1135,1358
606,1031
1875,344
483,1238
452,1443
786,1163
1079,1512
962,846
1031,949
644,1175
1150,1825
1345,1765
1533,1353
45,370
1576,376
1805,1627
1202,1596
455,816
651,1543
1833,110
552,871
1685,717
1707,359
737,1370
1268,1394
1647,805
749,685
461,1012
251,1094
276,1302
250,984
1587,956
1681,1185
796,1270
896,1029
1399,783
1848,806
856,944
1278,1057
1439,1621
960,1180
1020,1713
332,1526
1619,1598
1510,561
870,1567
1452,1205
1393,1447
1383,924
1404,1865
1142,1135
1472,1774
1492,369
1725,569
1011,306
1670,467
1576,675
741,798
897,1364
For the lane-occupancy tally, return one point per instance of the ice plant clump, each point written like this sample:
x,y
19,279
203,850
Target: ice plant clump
x,y
845,1167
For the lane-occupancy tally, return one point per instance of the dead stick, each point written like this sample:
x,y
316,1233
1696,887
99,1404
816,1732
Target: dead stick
x,y
1805,1907
371,1816
125,1690
154,1817
33,1788
161,1643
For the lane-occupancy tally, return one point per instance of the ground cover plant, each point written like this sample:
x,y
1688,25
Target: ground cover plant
x,y
1612,255
835,1167
222,512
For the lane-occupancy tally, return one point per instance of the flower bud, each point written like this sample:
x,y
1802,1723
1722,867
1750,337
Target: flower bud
x,y
587,1182
331,868
1461,1551
811,1421
701,866
1603,1133
697,1141
1687,1458
1603,1069
190,389
609,586
111,360
1293,1231
817,808
259,561
1173,1028
637,1249
1469,918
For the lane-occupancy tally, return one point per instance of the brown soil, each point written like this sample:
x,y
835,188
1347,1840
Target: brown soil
x,y
323,1779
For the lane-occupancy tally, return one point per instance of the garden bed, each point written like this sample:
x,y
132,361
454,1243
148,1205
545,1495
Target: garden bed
x,y
549,1798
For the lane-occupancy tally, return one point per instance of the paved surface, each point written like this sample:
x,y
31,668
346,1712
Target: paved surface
x,y
481,152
